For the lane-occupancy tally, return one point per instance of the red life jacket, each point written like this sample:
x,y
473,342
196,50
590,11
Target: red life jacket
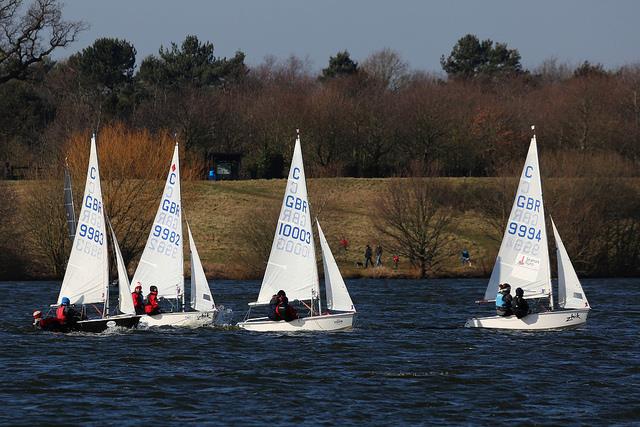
x,y
152,303
61,315
137,299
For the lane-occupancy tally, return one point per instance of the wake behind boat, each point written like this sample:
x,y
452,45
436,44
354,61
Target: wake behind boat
x,y
292,267
523,262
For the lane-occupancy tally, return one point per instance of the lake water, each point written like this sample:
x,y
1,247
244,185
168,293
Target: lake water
x,y
408,361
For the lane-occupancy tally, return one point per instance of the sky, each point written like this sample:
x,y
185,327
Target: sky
x,y
571,31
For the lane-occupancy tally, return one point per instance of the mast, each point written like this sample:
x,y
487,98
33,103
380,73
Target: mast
x,y
548,278
105,313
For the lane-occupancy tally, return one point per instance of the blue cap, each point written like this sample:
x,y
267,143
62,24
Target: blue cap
x,y
65,301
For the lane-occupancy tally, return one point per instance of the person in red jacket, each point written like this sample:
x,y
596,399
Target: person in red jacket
x,y
152,306
65,313
47,324
138,299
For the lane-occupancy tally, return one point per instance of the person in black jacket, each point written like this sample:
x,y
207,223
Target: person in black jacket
x,y
519,305
279,308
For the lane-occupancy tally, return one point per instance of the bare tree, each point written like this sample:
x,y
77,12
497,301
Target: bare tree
x,y
387,66
414,218
28,39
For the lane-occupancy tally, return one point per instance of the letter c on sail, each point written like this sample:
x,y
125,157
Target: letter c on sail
x,y
172,178
528,172
296,173
92,174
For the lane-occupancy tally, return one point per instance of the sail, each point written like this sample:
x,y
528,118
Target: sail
x,y
125,300
201,298
523,259
162,258
86,279
292,262
337,294
570,293
68,204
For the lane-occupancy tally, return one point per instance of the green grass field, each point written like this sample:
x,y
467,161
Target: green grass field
x,y
220,212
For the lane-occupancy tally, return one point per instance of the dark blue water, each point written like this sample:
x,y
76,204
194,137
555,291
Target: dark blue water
x,y
408,361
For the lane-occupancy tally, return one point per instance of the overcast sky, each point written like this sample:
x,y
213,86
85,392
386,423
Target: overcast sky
x,y
421,31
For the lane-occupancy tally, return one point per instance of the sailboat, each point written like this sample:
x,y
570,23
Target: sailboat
x,y
161,263
523,262
292,266
86,279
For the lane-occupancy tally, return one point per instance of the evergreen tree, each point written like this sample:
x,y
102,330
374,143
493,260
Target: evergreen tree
x,y
472,58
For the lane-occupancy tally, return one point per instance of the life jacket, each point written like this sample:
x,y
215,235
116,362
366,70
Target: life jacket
x,y
137,299
61,314
152,303
500,302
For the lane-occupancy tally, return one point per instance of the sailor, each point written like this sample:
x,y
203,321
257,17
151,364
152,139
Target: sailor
x,y
138,299
152,306
520,305
44,323
279,308
65,313
503,300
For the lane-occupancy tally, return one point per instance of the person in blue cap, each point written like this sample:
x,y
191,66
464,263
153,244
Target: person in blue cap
x,y
65,313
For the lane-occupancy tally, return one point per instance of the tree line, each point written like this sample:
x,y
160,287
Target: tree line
x,y
369,119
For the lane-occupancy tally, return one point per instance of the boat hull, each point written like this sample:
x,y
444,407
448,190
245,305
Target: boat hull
x,y
189,319
533,322
326,322
95,325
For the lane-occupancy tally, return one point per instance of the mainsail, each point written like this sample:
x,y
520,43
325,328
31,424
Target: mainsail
x,y
161,262
201,298
292,262
338,297
570,293
523,259
86,279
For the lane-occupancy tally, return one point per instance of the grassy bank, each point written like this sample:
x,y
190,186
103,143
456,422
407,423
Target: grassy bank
x,y
220,214
233,223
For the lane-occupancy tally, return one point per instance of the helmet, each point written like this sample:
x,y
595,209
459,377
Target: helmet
x,y
519,292
37,314
153,289
65,301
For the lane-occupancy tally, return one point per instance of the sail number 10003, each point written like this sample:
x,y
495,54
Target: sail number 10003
x,y
524,231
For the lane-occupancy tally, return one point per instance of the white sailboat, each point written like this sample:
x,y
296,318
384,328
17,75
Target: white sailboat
x,y
292,266
161,263
86,279
523,261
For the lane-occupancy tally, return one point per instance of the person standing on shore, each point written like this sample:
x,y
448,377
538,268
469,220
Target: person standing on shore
x,y
367,257
379,255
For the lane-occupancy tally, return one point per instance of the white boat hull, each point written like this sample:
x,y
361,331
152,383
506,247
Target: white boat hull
x,y
533,322
326,322
190,319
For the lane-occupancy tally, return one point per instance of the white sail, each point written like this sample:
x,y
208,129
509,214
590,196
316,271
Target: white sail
x,y
86,279
338,297
161,262
523,259
570,293
292,262
201,298
125,300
